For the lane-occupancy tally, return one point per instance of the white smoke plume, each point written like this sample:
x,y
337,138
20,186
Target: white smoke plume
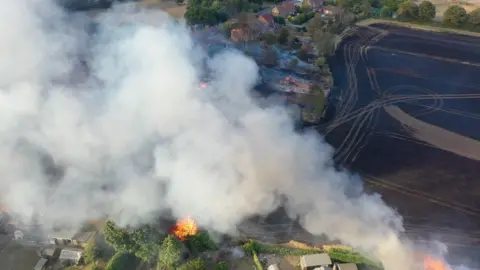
x,y
139,136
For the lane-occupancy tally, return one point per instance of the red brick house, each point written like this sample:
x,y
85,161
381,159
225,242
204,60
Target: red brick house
x,y
284,9
314,4
239,35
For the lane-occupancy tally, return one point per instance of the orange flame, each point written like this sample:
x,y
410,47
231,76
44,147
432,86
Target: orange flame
x,y
430,263
184,228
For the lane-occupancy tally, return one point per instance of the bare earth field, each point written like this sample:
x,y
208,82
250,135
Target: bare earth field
x,y
176,11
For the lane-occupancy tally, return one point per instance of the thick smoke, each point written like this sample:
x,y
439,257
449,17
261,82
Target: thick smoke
x,y
138,136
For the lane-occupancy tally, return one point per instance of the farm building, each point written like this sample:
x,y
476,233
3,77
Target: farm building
x,y
310,262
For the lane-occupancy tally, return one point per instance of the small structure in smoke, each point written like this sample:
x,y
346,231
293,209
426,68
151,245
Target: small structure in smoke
x,y
345,266
313,261
70,256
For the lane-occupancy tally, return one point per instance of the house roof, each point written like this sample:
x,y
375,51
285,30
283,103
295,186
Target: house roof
x,y
286,7
40,264
267,17
333,9
347,266
316,3
315,260
70,254
83,236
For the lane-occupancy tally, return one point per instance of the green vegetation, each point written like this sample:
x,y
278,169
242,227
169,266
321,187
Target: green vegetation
x,y
201,242
170,254
222,265
303,16
252,246
211,12
258,263
348,256
194,264
426,11
122,261
143,242
92,252
455,16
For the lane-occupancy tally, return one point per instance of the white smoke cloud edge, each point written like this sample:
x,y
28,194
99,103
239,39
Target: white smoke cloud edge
x,y
140,137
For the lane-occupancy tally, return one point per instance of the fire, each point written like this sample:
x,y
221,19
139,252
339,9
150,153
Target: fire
x,y
184,228
430,263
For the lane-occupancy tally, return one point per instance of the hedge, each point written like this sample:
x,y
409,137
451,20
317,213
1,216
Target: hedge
x,y
348,256
222,265
257,262
252,246
195,264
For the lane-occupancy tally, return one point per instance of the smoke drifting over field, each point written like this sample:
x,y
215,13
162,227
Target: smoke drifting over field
x,y
139,136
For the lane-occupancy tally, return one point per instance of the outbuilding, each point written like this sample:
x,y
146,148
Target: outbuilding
x,y
312,261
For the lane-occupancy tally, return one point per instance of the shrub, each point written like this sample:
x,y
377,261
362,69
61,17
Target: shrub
x,y
257,262
195,264
122,261
455,16
222,265
426,11
348,256
201,242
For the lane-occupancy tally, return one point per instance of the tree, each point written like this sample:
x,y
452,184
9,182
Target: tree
x,y
195,264
320,61
117,237
92,252
202,242
474,17
283,36
408,11
386,12
324,42
317,24
392,4
455,16
302,54
170,253
426,11
221,265
293,63
147,241
269,38
122,261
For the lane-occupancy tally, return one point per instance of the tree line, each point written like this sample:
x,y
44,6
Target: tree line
x,y
212,12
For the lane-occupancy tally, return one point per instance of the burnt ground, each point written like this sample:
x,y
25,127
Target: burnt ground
x,y
437,191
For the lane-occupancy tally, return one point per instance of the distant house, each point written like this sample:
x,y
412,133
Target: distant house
x,y
273,267
345,266
332,10
267,20
314,4
50,253
78,239
239,35
41,264
70,256
310,262
284,9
